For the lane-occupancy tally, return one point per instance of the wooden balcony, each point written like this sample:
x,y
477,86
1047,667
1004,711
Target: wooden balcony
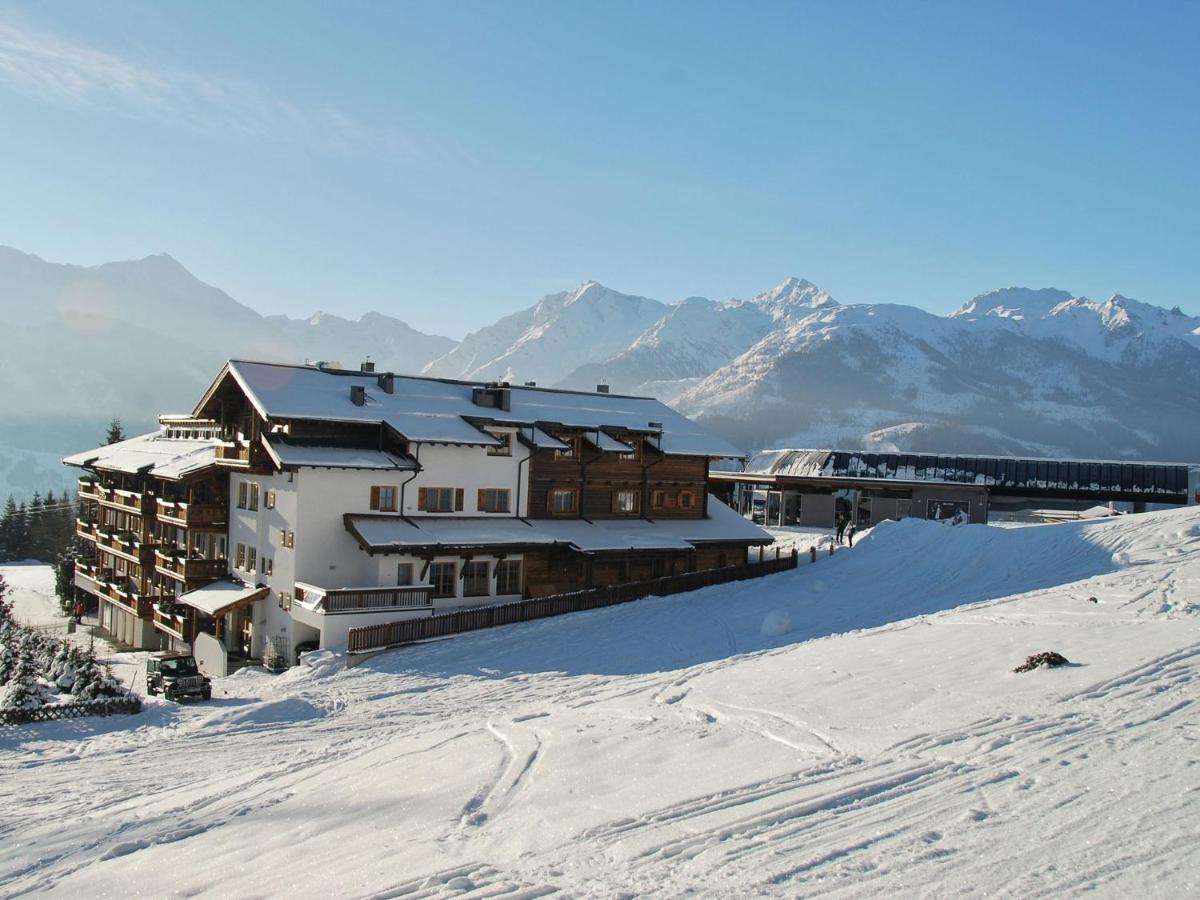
x,y
234,455
126,544
85,529
88,489
181,568
176,624
139,605
130,501
352,600
191,515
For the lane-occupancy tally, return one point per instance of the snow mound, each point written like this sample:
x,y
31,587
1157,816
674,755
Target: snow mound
x,y
776,623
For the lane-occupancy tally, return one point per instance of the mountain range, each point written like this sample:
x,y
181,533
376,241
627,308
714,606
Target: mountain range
x,y
1016,371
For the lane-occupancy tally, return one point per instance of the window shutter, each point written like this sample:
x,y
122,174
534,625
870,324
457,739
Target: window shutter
x,y
458,499
374,498
422,498
481,504
550,500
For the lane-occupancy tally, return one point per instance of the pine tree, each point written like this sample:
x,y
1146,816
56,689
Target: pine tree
x,y
22,690
5,605
8,526
18,547
115,432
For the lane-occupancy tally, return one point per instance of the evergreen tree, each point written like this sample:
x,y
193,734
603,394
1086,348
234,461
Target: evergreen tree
x,y
18,548
115,431
8,526
5,605
22,690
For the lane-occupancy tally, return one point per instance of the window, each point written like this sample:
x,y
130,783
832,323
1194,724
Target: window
x,y
625,502
441,579
253,495
383,498
508,576
658,499
285,599
562,501
251,559
686,499
241,556
571,451
268,565
475,579
404,574
243,489
506,445
493,500
269,501
289,538
439,499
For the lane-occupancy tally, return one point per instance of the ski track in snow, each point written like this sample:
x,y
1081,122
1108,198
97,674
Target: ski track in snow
x,y
666,747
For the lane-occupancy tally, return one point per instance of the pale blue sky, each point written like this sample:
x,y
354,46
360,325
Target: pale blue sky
x,y
450,162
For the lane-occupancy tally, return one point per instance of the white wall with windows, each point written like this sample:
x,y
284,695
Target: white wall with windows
x,y
456,581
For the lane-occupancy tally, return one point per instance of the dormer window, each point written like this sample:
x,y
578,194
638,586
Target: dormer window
x,y
571,451
505,447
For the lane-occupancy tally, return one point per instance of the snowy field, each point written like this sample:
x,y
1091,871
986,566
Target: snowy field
x,y
881,747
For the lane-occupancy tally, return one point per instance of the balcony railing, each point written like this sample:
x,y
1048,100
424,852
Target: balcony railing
x,y
191,514
85,529
88,489
349,600
178,626
141,605
185,569
126,543
233,454
129,501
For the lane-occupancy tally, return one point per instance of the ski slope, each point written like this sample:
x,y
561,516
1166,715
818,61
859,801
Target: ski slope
x,y
883,746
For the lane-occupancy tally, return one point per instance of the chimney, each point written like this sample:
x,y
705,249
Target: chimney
x,y
602,389
387,382
494,395
368,366
358,394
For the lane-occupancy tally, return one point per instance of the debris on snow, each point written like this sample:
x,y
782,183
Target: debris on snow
x,y
1049,659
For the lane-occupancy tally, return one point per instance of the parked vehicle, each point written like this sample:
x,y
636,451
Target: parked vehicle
x,y
175,676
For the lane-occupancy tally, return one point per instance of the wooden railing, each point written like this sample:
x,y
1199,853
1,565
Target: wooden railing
x,y
189,569
128,545
187,514
141,606
176,627
379,637
238,455
88,489
370,599
85,529
129,501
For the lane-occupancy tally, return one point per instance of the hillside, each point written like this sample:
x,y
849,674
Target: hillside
x,y
667,747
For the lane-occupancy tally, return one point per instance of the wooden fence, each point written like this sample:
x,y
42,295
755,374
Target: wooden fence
x,y
372,638
106,707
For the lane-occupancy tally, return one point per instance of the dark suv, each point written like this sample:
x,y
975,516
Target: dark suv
x,y
175,676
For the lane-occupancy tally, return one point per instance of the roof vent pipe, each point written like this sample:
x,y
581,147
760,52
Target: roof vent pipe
x,y
387,383
358,394
602,389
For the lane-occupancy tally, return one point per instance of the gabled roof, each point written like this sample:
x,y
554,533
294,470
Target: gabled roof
x,y
215,598
431,410
152,454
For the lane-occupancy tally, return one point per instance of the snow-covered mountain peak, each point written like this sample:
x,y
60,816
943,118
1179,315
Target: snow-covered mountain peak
x,y
793,297
1015,303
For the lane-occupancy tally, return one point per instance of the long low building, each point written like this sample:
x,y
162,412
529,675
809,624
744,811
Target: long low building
x,y
818,487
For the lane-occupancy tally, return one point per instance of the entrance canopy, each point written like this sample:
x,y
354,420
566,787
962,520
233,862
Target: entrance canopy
x,y
218,598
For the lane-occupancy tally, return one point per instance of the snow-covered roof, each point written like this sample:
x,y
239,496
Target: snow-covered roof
x,y
215,598
321,457
429,410
607,443
398,533
392,533
540,440
154,454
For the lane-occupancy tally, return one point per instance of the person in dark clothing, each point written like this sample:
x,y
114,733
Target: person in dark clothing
x,y
79,610
841,528
850,533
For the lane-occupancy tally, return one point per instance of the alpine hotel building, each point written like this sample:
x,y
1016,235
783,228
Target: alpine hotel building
x,y
296,502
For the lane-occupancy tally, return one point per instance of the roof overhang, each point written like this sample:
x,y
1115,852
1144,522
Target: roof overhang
x,y
219,597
